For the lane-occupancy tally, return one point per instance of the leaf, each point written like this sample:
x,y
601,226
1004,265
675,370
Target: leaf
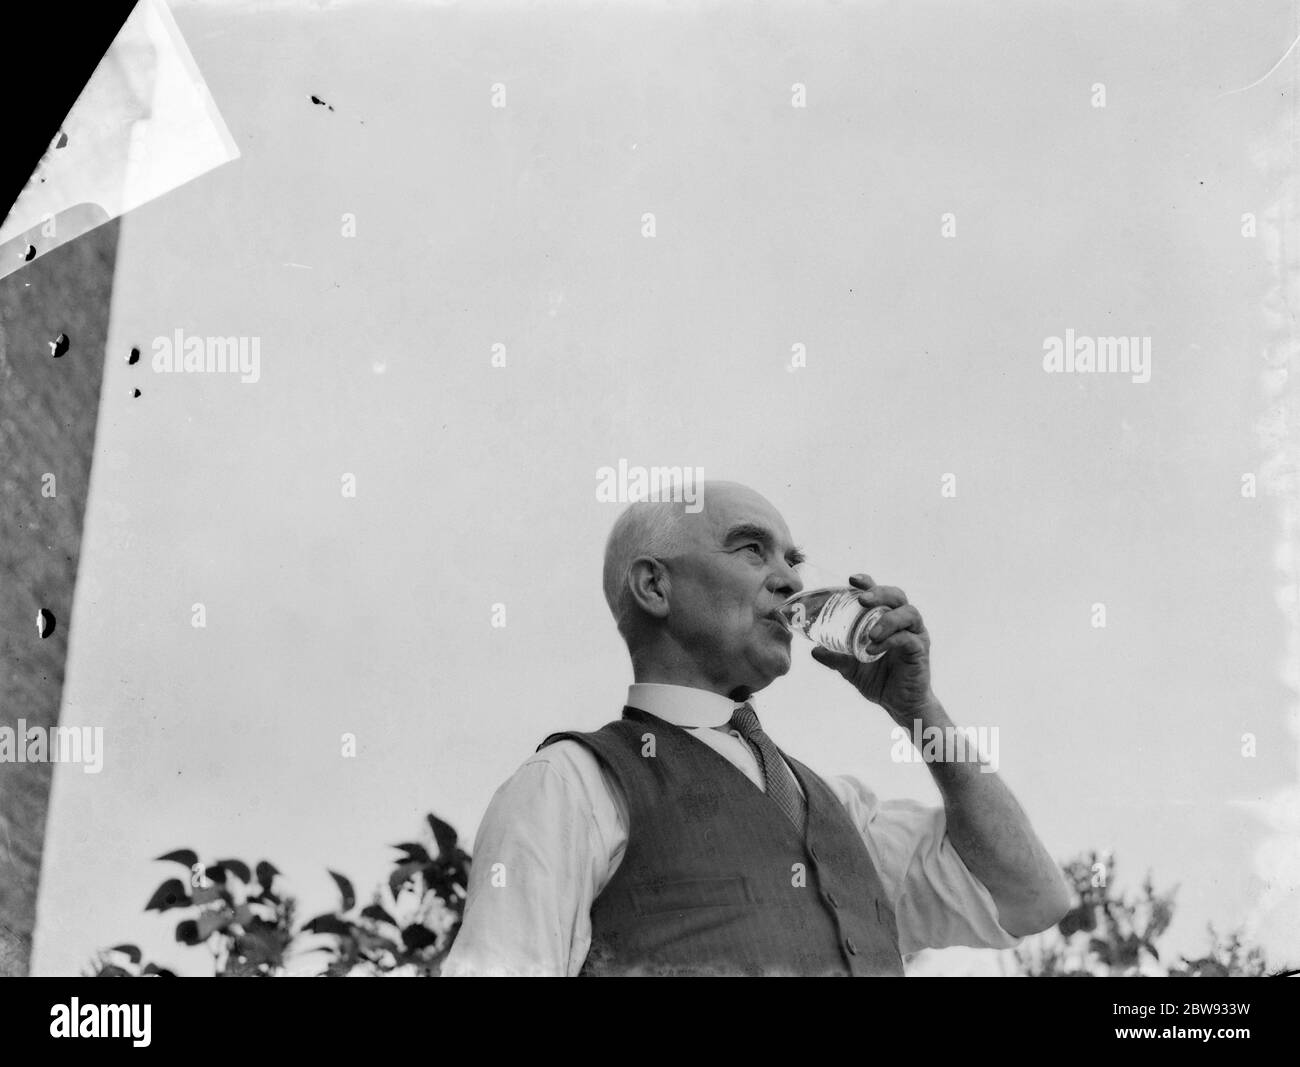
x,y
215,873
403,874
239,968
212,921
374,942
206,894
374,911
153,970
1080,918
1126,953
439,882
183,856
416,936
238,868
171,894
243,915
187,932
328,924
442,833
345,888
131,950
266,873
112,970
261,945
415,851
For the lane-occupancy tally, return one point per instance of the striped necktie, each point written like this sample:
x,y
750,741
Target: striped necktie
x,y
780,783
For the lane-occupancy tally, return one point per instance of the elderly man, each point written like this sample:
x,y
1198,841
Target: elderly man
x,y
680,840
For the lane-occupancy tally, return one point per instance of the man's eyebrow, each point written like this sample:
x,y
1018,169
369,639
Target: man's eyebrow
x,y
748,531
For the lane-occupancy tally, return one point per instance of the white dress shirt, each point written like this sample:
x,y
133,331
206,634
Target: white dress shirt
x,y
556,830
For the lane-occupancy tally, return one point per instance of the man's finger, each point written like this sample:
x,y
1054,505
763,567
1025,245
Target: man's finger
x,y
888,595
834,660
907,644
899,619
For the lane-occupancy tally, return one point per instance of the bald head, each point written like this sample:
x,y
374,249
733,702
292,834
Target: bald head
x,y
667,528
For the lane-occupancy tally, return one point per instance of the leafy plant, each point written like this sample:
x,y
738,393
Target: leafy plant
x,y
241,917
1110,935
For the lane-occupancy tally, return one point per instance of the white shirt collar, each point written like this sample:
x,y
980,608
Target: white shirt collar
x,y
682,705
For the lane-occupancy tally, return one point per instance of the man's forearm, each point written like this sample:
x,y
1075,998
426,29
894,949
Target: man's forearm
x,y
991,833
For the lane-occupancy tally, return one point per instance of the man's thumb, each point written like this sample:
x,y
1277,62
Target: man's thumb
x,y
836,662
824,656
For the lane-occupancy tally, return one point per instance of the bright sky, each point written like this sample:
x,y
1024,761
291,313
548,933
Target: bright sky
x,y
775,226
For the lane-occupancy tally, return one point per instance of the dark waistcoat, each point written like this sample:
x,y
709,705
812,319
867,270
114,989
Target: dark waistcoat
x,y
717,880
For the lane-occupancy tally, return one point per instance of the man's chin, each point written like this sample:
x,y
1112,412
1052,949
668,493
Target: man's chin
x,y
772,669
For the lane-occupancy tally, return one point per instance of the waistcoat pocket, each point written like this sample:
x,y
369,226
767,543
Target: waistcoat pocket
x,y
692,893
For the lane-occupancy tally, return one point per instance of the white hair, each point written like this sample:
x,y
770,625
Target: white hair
x,y
646,528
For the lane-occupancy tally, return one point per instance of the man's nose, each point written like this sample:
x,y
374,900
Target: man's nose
x,y
788,580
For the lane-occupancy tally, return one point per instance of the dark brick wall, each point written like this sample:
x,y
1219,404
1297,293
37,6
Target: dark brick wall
x,y
48,409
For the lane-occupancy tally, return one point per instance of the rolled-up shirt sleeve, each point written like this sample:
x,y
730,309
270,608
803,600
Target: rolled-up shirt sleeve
x,y
937,902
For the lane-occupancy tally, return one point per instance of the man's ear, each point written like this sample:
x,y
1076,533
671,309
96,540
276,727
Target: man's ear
x,y
648,582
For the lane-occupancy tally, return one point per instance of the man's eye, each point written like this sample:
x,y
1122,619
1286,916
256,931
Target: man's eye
x,y
757,548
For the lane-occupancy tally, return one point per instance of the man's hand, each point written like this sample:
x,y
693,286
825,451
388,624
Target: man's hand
x,y
985,823
900,682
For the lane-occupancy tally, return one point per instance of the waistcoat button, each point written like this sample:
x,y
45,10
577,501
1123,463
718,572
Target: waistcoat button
x,y
848,944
